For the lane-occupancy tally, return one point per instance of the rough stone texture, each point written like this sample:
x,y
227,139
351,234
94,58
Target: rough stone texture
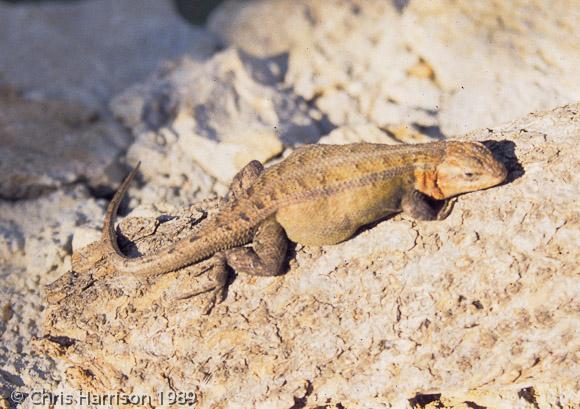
x,y
478,310
373,134
350,60
88,51
446,66
46,144
515,57
221,114
35,249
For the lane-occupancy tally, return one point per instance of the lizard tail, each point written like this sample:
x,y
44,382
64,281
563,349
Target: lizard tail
x,y
109,236
184,252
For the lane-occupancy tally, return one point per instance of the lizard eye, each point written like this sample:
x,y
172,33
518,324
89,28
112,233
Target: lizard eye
x,y
469,174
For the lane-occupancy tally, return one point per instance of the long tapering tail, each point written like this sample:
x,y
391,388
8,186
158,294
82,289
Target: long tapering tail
x,y
109,237
180,254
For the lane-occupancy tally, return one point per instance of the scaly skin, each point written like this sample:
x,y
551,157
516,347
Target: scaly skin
x,y
319,195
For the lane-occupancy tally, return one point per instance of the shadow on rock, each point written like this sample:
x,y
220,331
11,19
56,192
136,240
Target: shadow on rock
x,y
504,151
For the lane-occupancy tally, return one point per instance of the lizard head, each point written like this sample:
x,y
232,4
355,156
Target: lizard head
x,y
465,167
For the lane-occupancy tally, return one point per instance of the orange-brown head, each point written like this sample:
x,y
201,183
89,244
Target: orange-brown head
x,y
465,167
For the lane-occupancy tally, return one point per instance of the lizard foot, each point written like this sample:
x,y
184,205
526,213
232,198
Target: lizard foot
x,y
218,275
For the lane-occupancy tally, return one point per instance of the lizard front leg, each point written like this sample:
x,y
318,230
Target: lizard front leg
x,y
422,207
267,254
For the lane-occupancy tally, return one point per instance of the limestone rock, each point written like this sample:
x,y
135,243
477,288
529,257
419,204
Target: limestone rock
x,y
496,61
48,144
373,134
478,310
220,114
38,233
283,25
90,50
358,133
35,248
349,58
447,67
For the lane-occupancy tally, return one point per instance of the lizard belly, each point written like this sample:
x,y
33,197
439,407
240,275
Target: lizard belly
x,y
336,217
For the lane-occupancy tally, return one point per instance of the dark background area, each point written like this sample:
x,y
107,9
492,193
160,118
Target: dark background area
x,y
194,11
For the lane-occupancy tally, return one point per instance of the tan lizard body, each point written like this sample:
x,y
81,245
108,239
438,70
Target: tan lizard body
x,y
320,194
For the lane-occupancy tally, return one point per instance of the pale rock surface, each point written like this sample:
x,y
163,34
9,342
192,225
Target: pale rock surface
x,y
444,66
48,144
90,50
35,249
373,134
497,60
348,57
478,310
283,26
219,114
37,234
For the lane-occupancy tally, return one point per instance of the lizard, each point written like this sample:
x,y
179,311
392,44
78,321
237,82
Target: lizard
x,y
318,195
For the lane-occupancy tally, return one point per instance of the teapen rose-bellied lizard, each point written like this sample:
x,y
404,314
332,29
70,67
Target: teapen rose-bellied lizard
x,y
318,195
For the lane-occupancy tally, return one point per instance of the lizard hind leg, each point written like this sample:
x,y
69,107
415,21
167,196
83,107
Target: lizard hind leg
x,y
245,178
267,254
264,259
422,207
218,273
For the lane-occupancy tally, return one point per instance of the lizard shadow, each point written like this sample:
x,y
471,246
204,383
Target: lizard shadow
x,y
505,152
128,245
